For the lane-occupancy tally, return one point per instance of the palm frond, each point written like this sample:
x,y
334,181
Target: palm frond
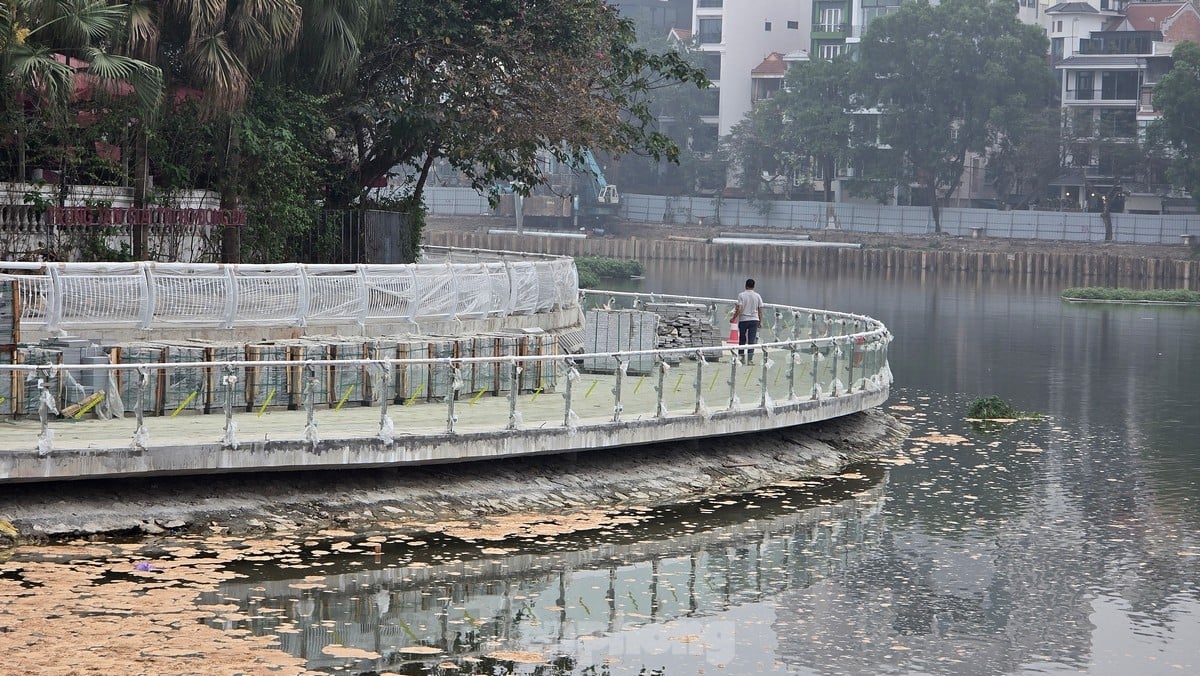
x,y
142,30
206,17
84,22
264,30
337,26
36,71
118,74
220,73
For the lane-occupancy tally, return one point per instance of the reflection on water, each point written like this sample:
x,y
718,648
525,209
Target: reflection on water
x,y
567,603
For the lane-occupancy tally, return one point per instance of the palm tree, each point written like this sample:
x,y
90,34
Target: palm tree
x,y
221,47
46,46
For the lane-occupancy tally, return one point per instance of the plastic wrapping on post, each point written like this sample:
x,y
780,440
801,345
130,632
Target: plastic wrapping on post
x,y
387,430
46,406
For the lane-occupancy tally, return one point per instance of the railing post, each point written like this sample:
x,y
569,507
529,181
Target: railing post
x,y
792,357
308,379
816,356
700,361
387,429
572,376
762,378
513,391
140,435
46,406
618,378
660,410
835,353
733,364
455,385
229,379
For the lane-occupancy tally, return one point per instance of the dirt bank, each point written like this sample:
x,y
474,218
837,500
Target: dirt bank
x,y
365,499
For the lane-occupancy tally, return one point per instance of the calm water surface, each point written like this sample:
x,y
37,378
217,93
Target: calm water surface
x,y
1063,545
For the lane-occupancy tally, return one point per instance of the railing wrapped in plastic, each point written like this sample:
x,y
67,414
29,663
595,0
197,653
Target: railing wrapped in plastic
x,y
459,285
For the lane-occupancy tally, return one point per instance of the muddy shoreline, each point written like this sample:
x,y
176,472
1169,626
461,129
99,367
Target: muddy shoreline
x,y
413,497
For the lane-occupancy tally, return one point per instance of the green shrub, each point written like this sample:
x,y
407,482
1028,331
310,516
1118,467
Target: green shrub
x,y
987,408
1131,295
594,268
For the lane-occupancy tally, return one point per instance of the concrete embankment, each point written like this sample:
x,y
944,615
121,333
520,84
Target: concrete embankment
x,y
617,478
1075,265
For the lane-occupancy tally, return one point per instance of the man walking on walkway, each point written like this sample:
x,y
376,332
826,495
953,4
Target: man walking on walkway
x,y
748,314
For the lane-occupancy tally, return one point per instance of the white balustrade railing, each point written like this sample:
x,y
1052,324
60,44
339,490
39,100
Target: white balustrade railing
x,y
146,295
809,355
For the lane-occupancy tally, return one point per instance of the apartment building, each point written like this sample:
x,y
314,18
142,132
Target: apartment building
x,y
738,36
1109,54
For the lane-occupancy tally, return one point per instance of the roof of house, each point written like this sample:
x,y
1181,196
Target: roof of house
x,y
680,34
772,65
1149,16
1177,21
1072,8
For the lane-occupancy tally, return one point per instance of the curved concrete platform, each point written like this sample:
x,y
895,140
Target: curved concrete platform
x,y
814,365
106,456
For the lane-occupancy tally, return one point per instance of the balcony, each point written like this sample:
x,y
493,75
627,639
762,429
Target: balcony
x,y
1120,42
830,29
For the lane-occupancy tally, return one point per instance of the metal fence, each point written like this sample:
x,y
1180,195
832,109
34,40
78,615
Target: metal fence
x,y
867,218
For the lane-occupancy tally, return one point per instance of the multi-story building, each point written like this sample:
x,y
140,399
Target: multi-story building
x,y
1109,55
739,36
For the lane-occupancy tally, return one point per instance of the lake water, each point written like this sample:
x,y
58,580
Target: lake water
x,y
1059,545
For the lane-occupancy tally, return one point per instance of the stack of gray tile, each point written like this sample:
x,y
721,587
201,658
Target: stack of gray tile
x,y
684,325
608,331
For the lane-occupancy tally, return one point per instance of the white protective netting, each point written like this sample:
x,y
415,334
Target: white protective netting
x,y
63,296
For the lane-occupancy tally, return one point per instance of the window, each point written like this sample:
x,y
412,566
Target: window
x,y
710,101
1056,47
1119,85
712,65
830,51
1118,123
1083,126
793,25
1083,86
706,4
709,30
829,20
1057,26
767,26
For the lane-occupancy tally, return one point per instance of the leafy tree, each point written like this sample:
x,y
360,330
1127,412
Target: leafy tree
x,y
284,159
216,48
1177,96
490,85
1028,156
816,102
679,108
753,147
951,79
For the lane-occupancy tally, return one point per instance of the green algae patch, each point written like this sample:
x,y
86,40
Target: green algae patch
x,y
1102,294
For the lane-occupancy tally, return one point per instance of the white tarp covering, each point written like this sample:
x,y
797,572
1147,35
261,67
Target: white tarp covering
x,y
60,296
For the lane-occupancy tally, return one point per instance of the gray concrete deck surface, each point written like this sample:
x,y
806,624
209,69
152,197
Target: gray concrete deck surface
x,y
275,438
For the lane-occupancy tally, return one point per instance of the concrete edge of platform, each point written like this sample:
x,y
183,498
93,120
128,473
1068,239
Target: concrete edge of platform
x,y
362,453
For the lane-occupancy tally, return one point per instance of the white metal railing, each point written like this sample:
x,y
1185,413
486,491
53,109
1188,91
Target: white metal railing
x,y
144,295
811,355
